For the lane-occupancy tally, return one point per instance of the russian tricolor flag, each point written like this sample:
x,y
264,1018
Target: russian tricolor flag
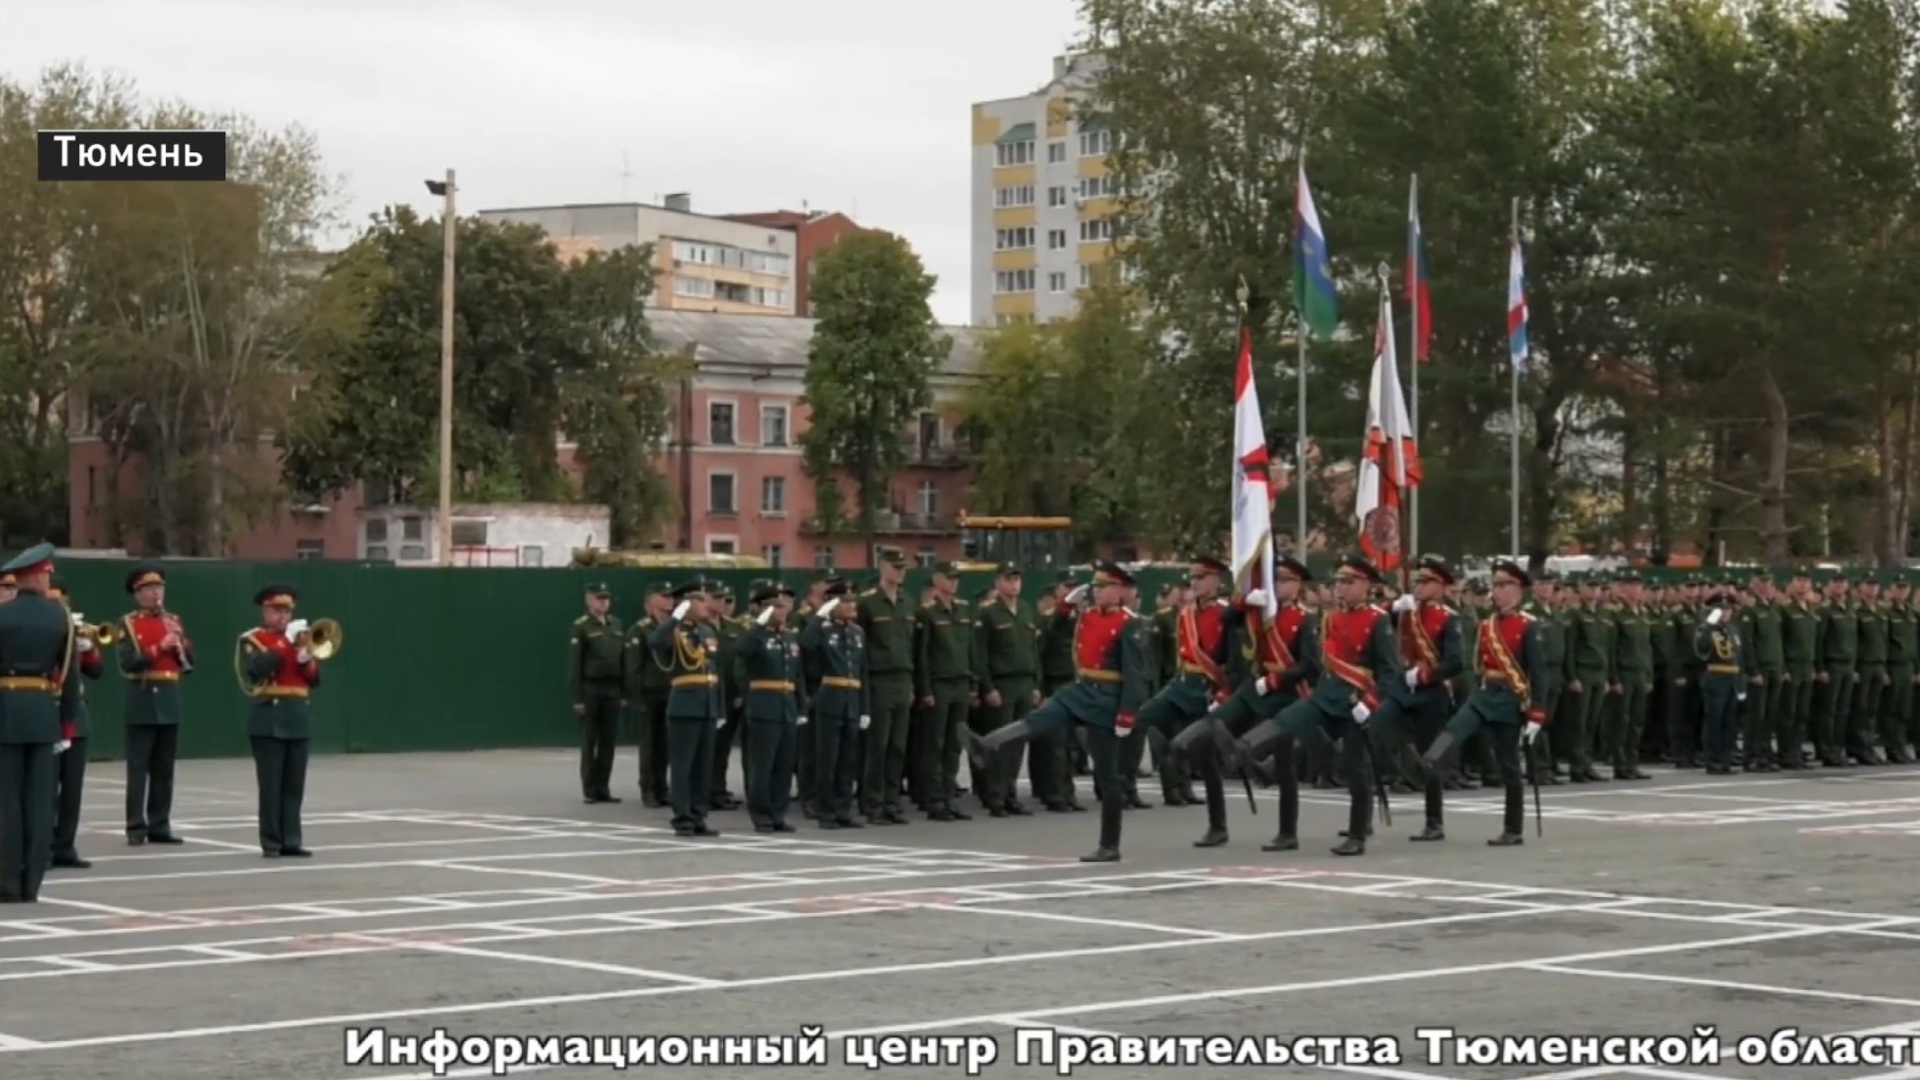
x,y
1417,294
1517,308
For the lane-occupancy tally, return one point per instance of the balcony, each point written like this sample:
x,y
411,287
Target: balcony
x,y
892,523
947,456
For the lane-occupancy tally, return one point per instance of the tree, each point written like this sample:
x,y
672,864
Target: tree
x,y
870,367
542,348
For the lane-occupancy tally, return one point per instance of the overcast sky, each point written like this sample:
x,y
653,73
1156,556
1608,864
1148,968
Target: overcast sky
x,y
860,106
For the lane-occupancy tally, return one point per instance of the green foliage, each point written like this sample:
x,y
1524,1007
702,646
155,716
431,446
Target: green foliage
x,y
876,347
541,349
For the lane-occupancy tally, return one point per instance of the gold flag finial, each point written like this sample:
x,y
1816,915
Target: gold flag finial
x,y
1240,294
1386,275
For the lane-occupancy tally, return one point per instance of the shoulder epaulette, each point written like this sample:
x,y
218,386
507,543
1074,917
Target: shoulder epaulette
x,y
875,591
1131,614
581,621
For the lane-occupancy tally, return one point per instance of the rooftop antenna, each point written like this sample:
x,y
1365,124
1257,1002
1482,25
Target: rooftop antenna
x,y
626,173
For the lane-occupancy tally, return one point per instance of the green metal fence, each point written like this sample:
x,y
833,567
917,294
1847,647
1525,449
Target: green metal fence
x,y
433,659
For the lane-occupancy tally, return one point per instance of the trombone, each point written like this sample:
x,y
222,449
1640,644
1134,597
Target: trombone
x,y
102,634
322,638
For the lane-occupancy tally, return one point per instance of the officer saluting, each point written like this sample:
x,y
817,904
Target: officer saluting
x,y
687,647
774,686
279,674
835,648
1723,682
71,773
38,707
154,655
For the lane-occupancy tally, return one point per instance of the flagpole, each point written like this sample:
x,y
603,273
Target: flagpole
x,y
1513,365
1300,447
1413,357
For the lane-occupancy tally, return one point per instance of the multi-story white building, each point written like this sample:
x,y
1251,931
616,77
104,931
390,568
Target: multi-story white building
x,y
1042,199
701,262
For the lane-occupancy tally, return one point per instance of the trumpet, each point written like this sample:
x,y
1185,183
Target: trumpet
x,y
322,638
105,633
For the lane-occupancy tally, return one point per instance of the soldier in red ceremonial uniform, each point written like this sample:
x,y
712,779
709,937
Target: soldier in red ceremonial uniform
x,y
1359,667
1431,644
1281,673
1110,684
1513,689
279,674
1203,634
70,776
154,655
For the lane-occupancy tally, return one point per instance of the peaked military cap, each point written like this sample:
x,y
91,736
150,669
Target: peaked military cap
x,y
277,596
1108,572
599,588
37,559
1008,569
763,591
692,585
890,555
1289,566
839,586
1212,562
1512,571
1435,565
946,568
1359,565
145,575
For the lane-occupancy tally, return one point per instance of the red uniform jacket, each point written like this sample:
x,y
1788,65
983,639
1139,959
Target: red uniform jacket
x,y
147,629
1510,654
1283,650
290,678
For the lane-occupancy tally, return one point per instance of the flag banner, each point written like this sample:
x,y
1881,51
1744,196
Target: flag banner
x,y
1390,463
1517,309
1313,293
1417,294
1252,484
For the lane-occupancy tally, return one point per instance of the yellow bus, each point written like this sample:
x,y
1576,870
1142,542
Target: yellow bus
x,y
1031,543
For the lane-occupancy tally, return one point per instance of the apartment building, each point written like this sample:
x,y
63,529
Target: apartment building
x,y
732,459
1042,199
701,262
814,231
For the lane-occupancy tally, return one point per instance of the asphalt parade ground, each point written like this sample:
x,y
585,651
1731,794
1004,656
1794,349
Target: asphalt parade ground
x,y
474,894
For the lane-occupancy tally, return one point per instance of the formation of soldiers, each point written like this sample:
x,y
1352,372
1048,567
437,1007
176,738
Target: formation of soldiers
x,y
856,701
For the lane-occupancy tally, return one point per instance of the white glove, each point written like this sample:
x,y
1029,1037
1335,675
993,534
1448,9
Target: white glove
x,y
826,609
1257,598
1413,678
1262,687
1074,598
765,616
1527,735
801,722
84,645
296,628
1404,604
1361,712
1714,617
680,610
864,721
720,723
304,655
1741,696
62,746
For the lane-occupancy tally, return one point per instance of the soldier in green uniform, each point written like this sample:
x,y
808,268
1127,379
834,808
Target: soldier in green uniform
x,y
1862,738
39,704
1112,664
1006,646
1544,605
1056,755
946,685
1723,679
596,684
278,673
1838,674
1591,642
729,628
1903,653
686,645
1763,627
804,750
1633,666
835,647
775,687
886,619
154,655
71,775
1512,692
645,686
1800,639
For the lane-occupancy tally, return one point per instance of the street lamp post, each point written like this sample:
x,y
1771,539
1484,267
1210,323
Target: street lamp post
x,y
443,531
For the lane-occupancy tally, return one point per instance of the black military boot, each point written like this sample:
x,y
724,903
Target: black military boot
x,y
1288,838
1513,825
1111,810
1216,829
1359,818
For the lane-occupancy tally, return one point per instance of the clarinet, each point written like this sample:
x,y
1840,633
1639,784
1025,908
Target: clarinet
x,y
180,650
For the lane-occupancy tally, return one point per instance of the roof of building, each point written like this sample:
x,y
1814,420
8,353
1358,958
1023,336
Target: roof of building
x,y
769,341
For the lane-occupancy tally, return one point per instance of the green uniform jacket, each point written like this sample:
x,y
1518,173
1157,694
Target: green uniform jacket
x,y
596,658
1007,643
1763,625
36,643
1164,644
1594,635
1056,648
641,669
889,632
732,674
837,650
1872,619
273,717
943,643
1903,637
1554,654
1839,636
1800,636
690,654
772,675
91,666
1633,645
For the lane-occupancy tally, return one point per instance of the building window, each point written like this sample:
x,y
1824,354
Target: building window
x,y
929,499
773,495
720,493
1013,239
1056,239
1057,195
772,553
721,545
773,425
701,288
309,549
1096,230
532,555
1057,282
413,552
413,527
1018,195
1056,152
1095,143
929,433
1096,187
1086,276
720,419
1013,153
376,530
469,534
1013,281
377,552
823,556
927,557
